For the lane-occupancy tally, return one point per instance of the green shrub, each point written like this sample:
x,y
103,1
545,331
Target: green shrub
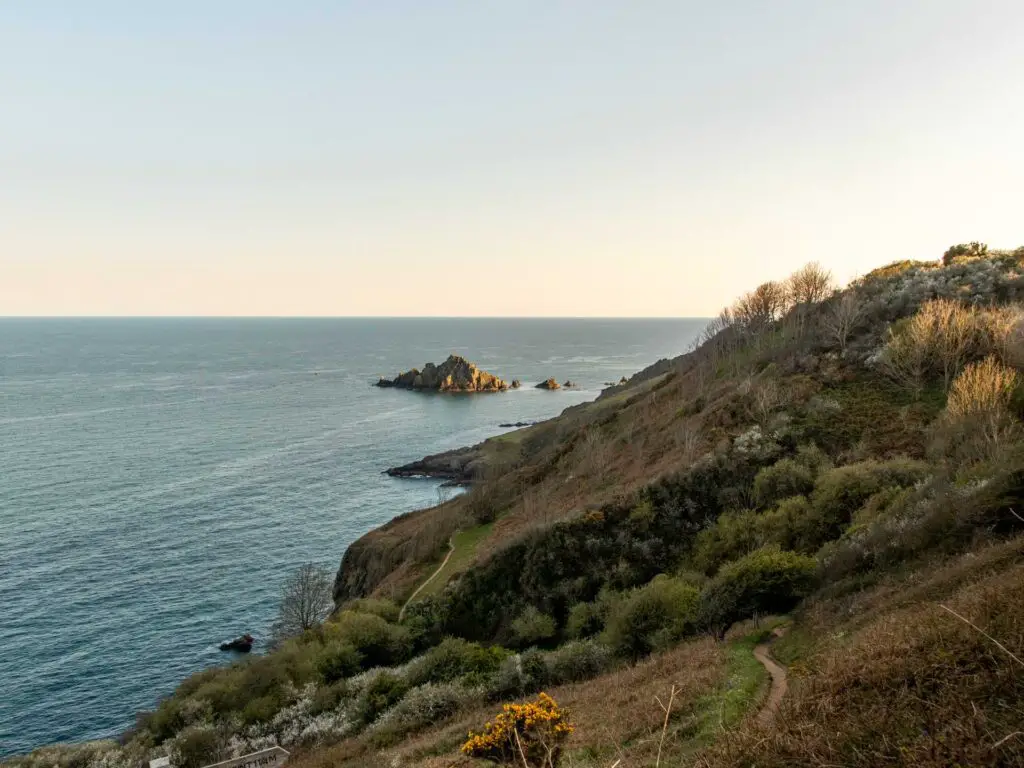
x,y
338,660
420,707
519,675
382,692
732,535
327,697
453,659
585,620
386,609
260,710
652,617
195,747
842,491
812,457
578,660
782,480
380,643
764,582
533,627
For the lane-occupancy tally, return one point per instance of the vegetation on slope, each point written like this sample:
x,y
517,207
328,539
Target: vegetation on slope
x,y
829,454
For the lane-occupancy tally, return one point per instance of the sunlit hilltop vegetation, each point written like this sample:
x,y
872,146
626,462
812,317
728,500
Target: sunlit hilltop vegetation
x,y
841,466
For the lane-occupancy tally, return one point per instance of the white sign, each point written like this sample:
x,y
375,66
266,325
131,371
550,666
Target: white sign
x,y
265,758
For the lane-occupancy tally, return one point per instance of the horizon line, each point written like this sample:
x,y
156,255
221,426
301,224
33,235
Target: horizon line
x,y
354,317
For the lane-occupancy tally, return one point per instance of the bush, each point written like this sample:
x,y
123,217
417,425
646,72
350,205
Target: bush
x,y
731,536
386,609
532,628
455,658
842,491
978,422
781,480
420,707
523,673
578,660
764,582
195,747
652,617
382,692
964,252
533,732
327,697
381,644
812,457
338,660
585,620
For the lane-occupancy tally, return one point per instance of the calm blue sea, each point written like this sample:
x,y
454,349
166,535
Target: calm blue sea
x,y
160,477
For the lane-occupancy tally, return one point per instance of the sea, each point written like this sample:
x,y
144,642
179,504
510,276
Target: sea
x,y
159,478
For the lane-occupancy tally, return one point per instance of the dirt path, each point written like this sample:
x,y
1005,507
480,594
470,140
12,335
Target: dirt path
x,y
451,550
780,684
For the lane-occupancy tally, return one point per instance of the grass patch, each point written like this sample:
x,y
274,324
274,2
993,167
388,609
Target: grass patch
x,y
465,544
727,706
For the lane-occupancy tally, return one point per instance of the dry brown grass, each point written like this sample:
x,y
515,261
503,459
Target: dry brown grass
x,y
914,687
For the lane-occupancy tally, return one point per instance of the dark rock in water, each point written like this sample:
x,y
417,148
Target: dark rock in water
x,y
456,374
241,644
570,384
549,384
518,424
516,384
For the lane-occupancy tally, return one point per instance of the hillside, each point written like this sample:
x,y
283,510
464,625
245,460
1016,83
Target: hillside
x,y
844,466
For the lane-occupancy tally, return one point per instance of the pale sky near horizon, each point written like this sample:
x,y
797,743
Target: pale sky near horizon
x,y
584,158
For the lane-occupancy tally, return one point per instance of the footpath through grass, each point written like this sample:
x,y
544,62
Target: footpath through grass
x,y
465,544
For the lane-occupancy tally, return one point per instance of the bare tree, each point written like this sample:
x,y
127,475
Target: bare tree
x,y
305,601
810,284
842,318
762,306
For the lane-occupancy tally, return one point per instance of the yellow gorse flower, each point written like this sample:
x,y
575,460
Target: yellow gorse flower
x,y
536,723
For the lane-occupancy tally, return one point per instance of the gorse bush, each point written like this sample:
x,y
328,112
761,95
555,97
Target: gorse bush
x,y
766,581
651,617
783,479
531,735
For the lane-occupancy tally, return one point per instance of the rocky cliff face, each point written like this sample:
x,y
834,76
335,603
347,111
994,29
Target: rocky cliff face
x,y
456,374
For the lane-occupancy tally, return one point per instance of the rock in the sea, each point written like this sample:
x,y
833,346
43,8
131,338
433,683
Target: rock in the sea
x,y
570,384
516,384
456,374
241,644
549,384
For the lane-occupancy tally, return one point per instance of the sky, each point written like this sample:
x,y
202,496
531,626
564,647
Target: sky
x,y
527,158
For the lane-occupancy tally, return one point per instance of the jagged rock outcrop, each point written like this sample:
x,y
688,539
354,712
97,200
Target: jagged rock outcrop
x,y
549,384
456,374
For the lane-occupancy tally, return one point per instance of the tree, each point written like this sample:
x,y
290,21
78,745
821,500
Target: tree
x,y
761,307
305,601
810,284
842,318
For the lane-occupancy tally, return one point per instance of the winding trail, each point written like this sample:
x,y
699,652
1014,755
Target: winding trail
x,y
780,683
451,551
